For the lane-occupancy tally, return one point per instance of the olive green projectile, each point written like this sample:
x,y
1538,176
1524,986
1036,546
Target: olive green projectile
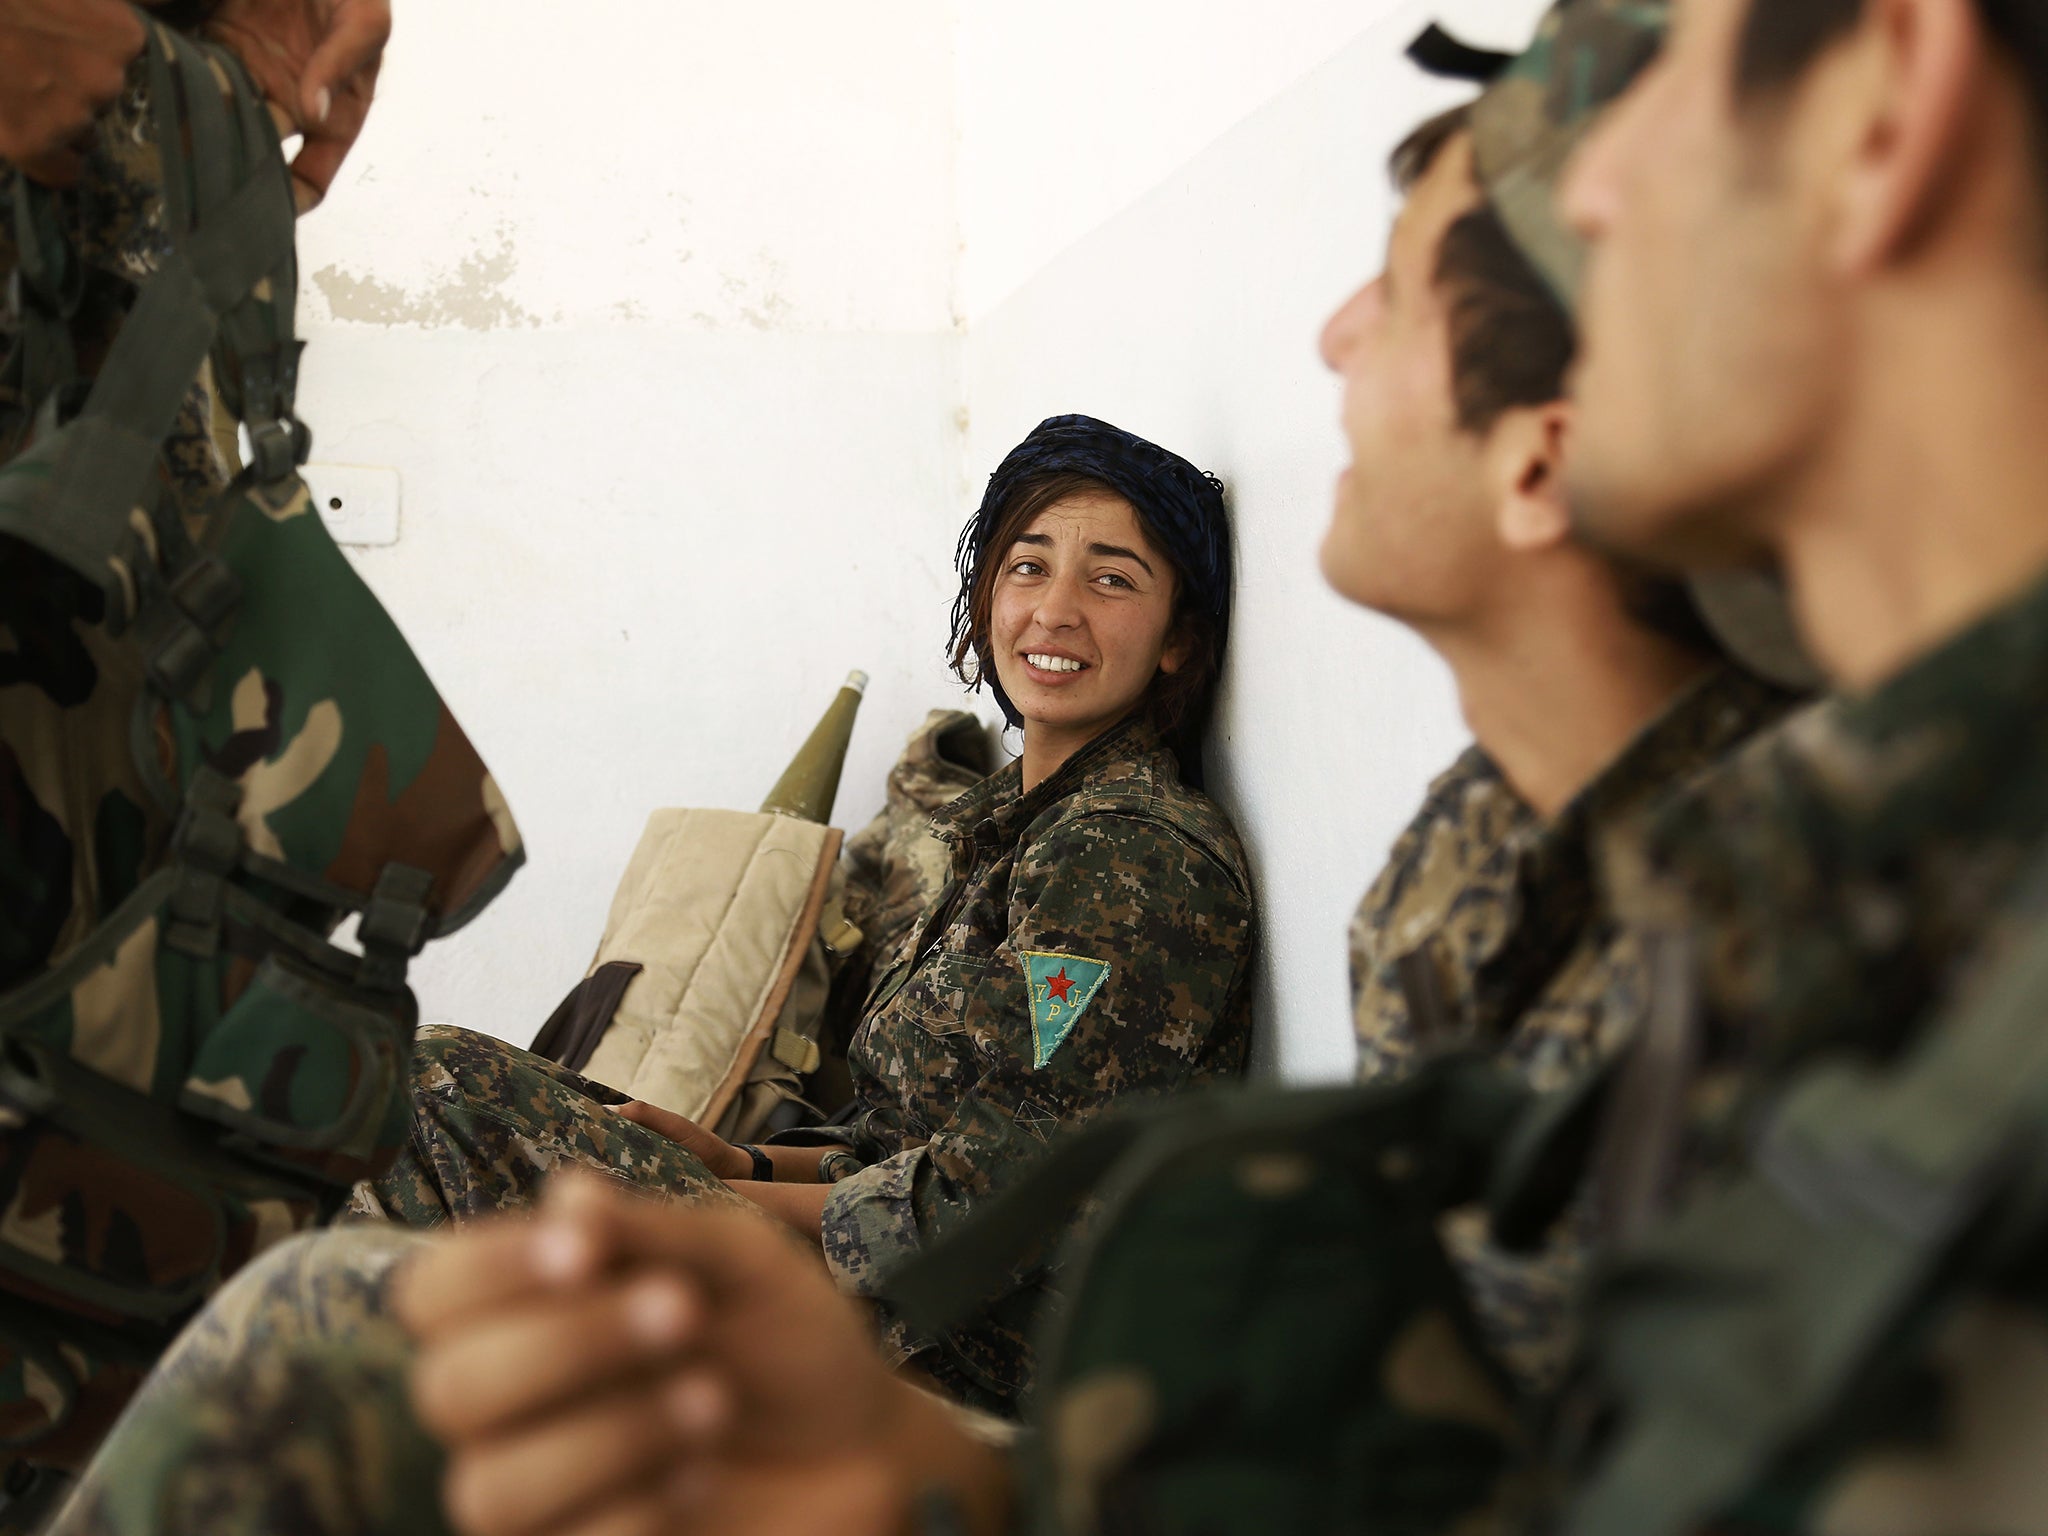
x,y
810,783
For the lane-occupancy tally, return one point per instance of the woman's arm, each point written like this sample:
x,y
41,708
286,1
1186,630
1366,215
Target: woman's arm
x,y
1155,940
793,1165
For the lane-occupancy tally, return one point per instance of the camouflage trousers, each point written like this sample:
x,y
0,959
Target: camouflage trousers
x,y
491,1122
282,1408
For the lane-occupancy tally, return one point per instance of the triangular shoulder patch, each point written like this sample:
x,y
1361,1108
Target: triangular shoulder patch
x,y
1061,987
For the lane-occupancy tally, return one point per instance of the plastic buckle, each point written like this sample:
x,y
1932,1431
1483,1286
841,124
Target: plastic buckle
x,y
277,447
205,847
207,591
394,926
176,631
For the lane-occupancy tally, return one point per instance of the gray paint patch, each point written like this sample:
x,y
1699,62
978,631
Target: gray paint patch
x,y
472,298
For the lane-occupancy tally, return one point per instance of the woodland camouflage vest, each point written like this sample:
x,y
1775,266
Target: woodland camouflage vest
x,y
215,748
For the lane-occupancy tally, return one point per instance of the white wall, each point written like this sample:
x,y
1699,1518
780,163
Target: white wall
x,y
693,333
652,311
1191,318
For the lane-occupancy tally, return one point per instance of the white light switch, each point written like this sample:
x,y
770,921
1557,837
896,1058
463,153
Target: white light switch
x,y
358,502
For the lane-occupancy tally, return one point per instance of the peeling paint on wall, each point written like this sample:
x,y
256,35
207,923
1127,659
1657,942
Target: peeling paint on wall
x,y
471,298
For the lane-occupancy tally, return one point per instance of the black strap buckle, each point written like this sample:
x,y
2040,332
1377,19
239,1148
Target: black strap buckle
x,y
394,926
178,629
205,848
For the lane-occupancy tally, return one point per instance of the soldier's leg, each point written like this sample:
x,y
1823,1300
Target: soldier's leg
x,y
283,1407
490,1122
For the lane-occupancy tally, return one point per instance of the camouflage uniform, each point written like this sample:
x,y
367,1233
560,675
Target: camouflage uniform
x,y
896,865
1095,942
1487,927
491,1122
1845,890
114,219
296,1367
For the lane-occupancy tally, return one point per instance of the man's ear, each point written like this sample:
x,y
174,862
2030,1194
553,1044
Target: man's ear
x,y
1894,118
1525,452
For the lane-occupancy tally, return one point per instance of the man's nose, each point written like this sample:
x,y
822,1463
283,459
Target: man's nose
x,y
1341,332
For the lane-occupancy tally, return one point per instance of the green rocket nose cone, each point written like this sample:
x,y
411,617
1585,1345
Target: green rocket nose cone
x,y
810,783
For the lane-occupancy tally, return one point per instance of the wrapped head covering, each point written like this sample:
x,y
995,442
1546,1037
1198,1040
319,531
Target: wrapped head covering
x,y
1534,112
1180,506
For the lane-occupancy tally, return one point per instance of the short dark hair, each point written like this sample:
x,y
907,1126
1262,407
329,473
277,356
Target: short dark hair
x,y
1781,39
1512,345
1512,342
1176,701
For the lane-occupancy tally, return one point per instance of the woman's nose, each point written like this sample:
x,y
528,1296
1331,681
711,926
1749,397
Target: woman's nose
x,y
1059,605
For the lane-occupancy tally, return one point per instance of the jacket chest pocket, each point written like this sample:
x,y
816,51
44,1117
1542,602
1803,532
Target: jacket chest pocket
x,y
922,1037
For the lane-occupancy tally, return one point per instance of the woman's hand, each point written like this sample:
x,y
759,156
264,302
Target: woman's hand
x,y
62,63
724,1159
317,62
627,1367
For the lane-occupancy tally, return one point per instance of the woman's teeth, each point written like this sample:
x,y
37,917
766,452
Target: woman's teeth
x,y
1054,663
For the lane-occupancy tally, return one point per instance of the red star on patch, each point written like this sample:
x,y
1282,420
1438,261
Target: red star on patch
x,y
1060,985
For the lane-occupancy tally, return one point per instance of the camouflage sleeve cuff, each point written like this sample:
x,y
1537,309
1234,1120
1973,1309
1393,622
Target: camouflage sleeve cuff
x,y
838,1165
870,1222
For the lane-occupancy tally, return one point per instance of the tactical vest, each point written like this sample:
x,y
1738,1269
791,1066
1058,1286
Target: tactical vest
x,y
215,750
1790,1323
1258,1329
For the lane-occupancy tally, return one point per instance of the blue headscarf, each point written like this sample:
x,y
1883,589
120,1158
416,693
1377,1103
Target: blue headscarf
x,y
1180,507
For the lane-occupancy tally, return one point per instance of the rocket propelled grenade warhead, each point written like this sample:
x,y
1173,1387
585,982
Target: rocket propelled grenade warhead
x,y
810,783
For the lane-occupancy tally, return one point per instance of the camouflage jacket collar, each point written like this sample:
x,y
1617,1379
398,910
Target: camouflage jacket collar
x,y
1835,874
1544,871
999,801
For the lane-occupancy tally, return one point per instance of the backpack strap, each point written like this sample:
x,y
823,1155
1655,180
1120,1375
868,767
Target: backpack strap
x,y
1738,1327
87,493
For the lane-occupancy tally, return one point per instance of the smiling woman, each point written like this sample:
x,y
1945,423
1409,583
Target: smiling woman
x,y
1093,944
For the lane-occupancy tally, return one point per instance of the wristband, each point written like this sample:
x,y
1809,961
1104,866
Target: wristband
x,y
764,1165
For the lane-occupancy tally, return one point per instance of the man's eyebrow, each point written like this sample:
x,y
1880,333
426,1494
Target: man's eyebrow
x,y
1117,551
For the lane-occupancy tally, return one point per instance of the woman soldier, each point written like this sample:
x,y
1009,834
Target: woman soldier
x,y
1095,940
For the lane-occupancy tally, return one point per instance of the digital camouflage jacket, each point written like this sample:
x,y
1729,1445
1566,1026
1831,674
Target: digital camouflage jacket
x,y
1844,898
1488,928
1094,945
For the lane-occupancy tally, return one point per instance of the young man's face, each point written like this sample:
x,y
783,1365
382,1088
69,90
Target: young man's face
x,y
1411,534
1709,335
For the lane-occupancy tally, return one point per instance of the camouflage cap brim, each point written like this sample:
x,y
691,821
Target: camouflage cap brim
x,y
1536,108
1528,123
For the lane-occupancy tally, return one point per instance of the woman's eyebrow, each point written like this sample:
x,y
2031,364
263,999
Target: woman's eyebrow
x,y
1040,540
1117,551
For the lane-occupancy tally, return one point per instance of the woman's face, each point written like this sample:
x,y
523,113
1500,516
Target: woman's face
x,y
1081,619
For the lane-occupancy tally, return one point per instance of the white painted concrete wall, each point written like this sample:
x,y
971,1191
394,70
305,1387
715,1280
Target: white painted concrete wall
x,y
693,333
651,307
1191,317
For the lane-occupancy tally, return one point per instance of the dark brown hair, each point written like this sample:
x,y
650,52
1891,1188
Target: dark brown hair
x,y
1512,345
1177,703
1782,39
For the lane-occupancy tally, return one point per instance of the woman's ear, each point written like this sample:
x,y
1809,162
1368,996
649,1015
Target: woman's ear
x,y
1180,645
1527,447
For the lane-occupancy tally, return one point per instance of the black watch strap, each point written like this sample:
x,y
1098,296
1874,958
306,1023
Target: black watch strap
x,y
764,1165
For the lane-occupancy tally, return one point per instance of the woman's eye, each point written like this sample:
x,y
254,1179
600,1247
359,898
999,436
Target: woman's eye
x,y
1112,579
1027,568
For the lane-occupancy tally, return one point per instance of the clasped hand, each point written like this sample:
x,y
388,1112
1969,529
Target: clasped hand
x,y
619,1367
